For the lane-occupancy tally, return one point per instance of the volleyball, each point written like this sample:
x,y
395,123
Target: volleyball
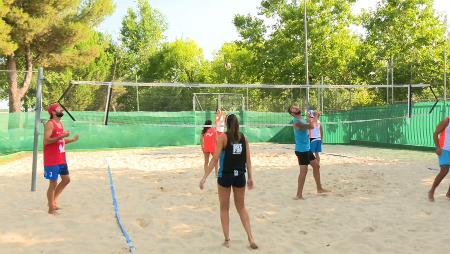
x,y
227,66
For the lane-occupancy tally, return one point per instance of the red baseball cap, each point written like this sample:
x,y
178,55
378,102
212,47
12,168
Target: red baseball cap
x,y
52,108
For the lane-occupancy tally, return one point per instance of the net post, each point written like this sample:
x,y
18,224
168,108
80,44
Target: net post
x,y
137,94
108,102
409,102
37,126
321,95
392,79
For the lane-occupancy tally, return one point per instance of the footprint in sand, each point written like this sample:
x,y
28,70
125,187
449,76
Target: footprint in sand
x,y
142,223
302,232
368,229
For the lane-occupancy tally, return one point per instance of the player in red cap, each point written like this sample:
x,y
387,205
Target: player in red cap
x,y
55,165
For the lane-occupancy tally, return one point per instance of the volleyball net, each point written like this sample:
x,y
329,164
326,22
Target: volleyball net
x,y
257,105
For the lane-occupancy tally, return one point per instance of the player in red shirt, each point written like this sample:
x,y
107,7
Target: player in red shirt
x,y
208,141
55,139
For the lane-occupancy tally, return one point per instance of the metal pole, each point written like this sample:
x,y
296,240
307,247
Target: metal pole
x,y
409,101
108,100
37,126
387,82
351,105
247,100
318,98
137,95
445,71
306,55
392,79
321,97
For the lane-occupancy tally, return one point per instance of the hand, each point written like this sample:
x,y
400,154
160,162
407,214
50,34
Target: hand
x,y
66,134
76,137
439,151
250,184
202,183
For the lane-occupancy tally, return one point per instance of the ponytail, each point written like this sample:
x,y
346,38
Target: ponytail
x,y
233,134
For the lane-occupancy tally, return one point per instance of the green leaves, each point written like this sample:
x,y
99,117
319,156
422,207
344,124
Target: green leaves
x,y
7,46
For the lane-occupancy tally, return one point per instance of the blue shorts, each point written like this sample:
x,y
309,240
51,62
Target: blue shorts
x,y
316,146
52,172
444,159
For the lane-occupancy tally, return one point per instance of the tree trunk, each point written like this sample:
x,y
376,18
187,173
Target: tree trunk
x,y
16,93
14,100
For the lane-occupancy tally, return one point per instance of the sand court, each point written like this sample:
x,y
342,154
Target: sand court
x,y
378,204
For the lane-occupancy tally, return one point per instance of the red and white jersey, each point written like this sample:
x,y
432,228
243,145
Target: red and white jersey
x,y
55,153
444,138
220,124
315,132
210,140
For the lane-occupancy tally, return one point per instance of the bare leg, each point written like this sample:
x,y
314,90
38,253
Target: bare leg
x,y
317,155
437,181
216,169
239,202
65,180
448,193
224,199
316,172
206,160
51,197
301,181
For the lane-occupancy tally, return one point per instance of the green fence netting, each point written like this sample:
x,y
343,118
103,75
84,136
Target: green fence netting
x,y
382,125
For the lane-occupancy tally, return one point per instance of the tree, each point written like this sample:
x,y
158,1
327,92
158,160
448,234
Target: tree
x,y
49,33
6,44
82,97
241,61
410,33
179,61
279,49
141,36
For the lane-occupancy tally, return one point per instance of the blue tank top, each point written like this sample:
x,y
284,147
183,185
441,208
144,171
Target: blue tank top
x,y
301,137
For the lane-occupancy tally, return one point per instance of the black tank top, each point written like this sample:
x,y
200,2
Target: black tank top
x,y
234,158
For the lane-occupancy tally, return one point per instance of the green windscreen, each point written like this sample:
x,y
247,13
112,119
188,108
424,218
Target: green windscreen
x,y
383,125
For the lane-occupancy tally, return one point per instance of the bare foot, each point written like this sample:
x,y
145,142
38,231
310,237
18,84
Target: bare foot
x,y
431,196
53,211
226,243
253,246
322,191
298,198
56,207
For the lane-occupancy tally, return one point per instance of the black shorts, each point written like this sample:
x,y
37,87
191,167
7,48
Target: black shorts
x,y
305,158
235,181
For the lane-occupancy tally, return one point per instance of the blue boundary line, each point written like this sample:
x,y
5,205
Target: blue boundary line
x,y
116,210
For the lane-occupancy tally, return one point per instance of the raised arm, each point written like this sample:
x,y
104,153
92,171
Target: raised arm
x,y
304,126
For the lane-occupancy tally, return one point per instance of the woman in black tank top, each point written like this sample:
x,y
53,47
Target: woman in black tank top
x,y
233,151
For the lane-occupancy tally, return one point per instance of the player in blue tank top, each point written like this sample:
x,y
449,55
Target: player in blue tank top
x,y
302,150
